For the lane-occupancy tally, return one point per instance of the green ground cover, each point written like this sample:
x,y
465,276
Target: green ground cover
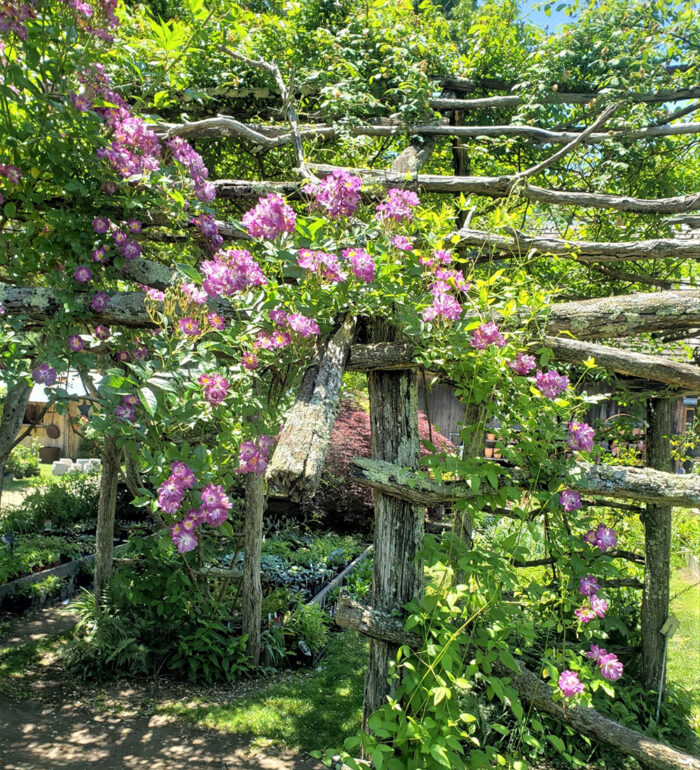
x,y
684,646
309,709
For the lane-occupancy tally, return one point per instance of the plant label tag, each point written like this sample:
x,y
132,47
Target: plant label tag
x,y
304,647
670,627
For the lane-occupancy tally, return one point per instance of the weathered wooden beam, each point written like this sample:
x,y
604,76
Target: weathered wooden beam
x,y
589,722
625,315
503,186
371,622
519,244
223,126
398,529
382,355
296,465
596,726
509,100
643,365
643,484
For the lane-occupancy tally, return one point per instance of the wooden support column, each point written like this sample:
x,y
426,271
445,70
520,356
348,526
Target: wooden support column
x,y
106,508
14,406
398,533
251,589
657,549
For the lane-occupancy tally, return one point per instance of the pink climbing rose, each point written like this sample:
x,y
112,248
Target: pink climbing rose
x,y
580,436
569,684
610,666
570,500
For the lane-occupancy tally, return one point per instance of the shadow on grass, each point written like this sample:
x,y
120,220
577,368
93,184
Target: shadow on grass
x,y
310,709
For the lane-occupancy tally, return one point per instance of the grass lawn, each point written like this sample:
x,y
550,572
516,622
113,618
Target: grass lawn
x,y
684,647
13,491
309,709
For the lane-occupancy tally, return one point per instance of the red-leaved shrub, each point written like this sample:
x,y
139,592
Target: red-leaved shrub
x,y
341,503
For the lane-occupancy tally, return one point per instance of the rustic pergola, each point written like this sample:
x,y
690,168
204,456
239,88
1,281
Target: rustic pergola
x,y
573,330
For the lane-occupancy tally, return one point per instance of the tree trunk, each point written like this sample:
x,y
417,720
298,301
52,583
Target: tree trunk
x,y
106,507
251,589
398,533
14,407
657,547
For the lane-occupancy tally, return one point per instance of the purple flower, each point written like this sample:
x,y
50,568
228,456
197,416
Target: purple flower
x,y
522,363
453,278
595,652
216,321
441,255
214,497
402,243
155,295
610,666
362,264
102,332
134,225
231,271
605,538
44,375
183,475
123,356
397,206
101,225
249,361
589,585
130,399
189,326
270,218
125,413
99,254
99,301
12,173
444,305
206,224
302,325
551,383
585,614
326,265
170,494
589,537
120,238
215,388
140,353
82,274
253,455
109,188
278,317
580,436
131,250
75,343
487,334
338,194
569,684
194,293
570,500
598,605
183,540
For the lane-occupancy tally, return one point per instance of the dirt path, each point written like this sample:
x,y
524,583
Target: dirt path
x,y
46,736
46,723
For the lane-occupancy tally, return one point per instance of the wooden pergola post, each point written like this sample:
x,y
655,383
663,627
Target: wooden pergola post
x,y
398,534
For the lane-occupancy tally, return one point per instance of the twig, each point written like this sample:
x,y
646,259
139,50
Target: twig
x,y
287,104
602,119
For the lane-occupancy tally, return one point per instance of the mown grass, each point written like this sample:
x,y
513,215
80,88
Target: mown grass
x,y
683,665
308,710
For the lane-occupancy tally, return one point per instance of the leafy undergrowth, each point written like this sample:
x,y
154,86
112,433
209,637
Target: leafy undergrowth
x,y
307,710
684,646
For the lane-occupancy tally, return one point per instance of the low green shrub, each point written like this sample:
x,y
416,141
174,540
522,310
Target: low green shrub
x,y
307,624
23,461
154,613
33,552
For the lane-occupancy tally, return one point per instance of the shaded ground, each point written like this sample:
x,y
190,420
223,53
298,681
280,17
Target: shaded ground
x,y
48,721
44,736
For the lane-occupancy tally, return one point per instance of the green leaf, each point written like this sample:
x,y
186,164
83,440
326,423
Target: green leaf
x,y
148,400
190,272
439,754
